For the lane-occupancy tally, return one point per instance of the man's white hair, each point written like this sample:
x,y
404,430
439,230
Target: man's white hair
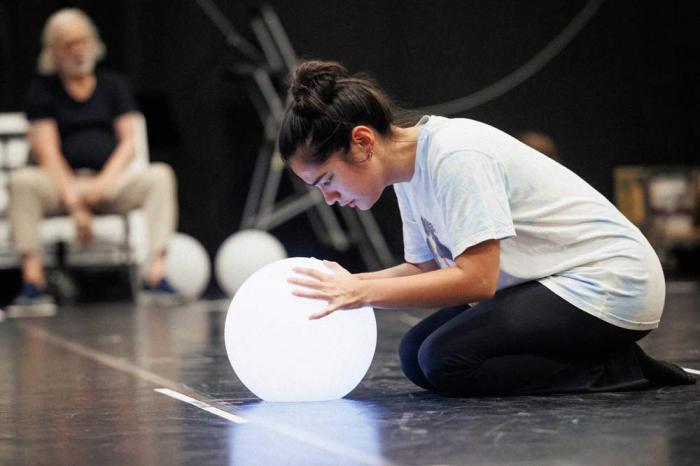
x,y
46,63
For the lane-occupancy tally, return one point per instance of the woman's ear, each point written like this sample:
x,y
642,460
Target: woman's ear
x,y
362,139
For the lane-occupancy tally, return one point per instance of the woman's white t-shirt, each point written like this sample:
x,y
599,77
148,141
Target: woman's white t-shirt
x,y
473,182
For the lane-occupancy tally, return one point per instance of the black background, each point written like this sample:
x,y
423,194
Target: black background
x,y
625,91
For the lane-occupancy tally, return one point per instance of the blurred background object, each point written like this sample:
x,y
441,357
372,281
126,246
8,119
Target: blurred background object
x,y
541,142
664,202
242,254
624,90
188,265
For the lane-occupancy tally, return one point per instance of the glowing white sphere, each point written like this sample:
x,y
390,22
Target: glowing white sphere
x,y
188,265
281,355
243,254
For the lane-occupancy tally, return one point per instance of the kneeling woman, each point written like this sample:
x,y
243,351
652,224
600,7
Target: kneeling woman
x,y
545,286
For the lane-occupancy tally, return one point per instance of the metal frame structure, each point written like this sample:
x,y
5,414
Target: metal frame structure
x,y
262,209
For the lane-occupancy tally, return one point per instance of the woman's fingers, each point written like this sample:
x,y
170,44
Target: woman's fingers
x,y
332,265
317,285
313,294
323,313
335,267
311,273
305,282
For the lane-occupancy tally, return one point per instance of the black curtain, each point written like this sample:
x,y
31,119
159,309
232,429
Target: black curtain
x,y
624,91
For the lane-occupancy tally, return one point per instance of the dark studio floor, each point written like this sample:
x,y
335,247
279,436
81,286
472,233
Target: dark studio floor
x,y
79,388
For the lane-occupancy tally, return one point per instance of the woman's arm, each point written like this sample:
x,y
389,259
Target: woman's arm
x,y
474,278
402,270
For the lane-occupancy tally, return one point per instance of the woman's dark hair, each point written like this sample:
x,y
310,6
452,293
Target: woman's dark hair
x,y
325,103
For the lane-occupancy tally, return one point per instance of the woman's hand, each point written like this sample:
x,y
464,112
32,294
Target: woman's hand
x,y
341,290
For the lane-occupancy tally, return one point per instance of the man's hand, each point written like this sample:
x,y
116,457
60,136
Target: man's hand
x,y
82,216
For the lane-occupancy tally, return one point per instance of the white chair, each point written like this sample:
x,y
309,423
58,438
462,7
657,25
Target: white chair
x,y
118,239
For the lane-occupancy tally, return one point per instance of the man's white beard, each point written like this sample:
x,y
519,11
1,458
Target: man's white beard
x,y
76,69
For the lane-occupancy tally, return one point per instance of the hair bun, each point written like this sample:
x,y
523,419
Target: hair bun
x,y
313,86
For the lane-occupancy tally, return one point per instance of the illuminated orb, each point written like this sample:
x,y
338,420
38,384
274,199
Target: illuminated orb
x,y
243,254
281,355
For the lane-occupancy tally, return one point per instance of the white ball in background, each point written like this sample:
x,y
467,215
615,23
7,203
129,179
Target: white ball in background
x,y
281,355
243,254
4,195
188,265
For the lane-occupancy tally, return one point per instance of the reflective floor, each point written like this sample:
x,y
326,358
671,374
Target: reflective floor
x,y
80,388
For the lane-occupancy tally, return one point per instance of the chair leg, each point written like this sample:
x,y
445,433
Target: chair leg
x,y
64,285
134,281
129,260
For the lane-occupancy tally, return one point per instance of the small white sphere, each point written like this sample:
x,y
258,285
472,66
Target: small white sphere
x,y
243,254
188,265
281,355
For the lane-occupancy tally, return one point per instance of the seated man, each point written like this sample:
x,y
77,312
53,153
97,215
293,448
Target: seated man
x,y
82,136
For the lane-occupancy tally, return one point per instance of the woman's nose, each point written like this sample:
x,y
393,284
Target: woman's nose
x,y
330,196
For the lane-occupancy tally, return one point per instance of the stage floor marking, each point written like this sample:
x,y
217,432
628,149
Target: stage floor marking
x,y
174,390
201,405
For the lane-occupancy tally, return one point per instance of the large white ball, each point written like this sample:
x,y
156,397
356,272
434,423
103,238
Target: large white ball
x,y
281,355
188,265
243,254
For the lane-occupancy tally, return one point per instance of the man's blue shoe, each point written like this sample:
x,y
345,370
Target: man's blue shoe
x,y
32,301
162,294
163,286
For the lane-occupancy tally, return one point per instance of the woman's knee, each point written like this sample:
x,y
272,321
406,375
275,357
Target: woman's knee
x,y
408,357
443,367
432,362
414,338
408,347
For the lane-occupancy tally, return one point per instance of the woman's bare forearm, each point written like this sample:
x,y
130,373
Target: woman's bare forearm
x,y
473,278
438,288
402,270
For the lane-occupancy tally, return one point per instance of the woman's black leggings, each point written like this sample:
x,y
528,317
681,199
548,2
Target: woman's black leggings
x,y
525,340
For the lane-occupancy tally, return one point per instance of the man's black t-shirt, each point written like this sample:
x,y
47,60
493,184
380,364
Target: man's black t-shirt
x,y
86,128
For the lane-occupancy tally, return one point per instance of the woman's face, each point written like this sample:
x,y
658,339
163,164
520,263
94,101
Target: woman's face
x,y
356,182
